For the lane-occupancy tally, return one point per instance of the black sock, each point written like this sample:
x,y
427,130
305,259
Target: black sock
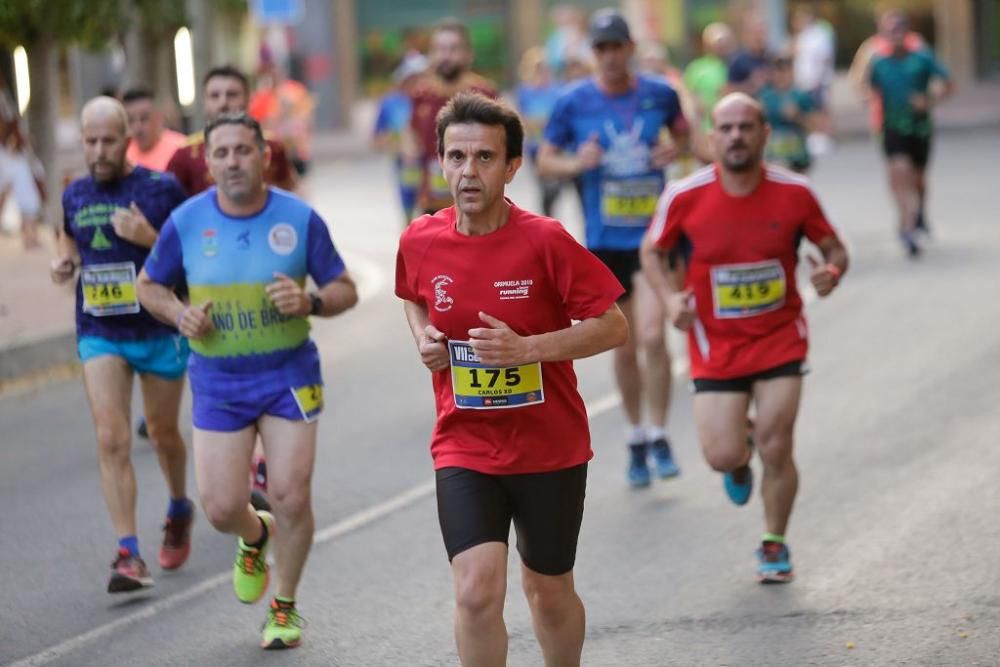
x,y
263,536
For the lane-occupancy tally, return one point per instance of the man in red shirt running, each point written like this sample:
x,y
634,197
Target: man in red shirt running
x,y
451,57
737,224
491,292
225,90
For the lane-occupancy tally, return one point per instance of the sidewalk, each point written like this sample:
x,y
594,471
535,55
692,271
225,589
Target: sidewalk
x,y
973,106
36,317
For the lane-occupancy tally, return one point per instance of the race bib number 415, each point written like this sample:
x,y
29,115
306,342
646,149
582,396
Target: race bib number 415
x,y
109,289
746,290
482,387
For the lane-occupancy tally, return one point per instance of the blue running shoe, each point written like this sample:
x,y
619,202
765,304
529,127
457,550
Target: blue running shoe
x,y
664,460
774,564
910,245
638,469
739,484
922,225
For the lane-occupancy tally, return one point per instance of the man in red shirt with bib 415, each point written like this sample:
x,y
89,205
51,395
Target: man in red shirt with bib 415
x,y
737,224
491,292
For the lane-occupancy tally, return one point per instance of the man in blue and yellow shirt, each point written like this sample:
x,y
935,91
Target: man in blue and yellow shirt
x,y
245,251
111,218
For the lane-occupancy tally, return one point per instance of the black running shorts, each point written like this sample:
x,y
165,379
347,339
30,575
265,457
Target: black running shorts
x,y
744,384
546,508
624,264
918,149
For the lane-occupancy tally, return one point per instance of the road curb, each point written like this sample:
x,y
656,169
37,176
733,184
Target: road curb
x,y
37,356
863,132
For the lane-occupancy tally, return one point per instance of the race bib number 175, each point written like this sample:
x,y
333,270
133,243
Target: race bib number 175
x,y
481,387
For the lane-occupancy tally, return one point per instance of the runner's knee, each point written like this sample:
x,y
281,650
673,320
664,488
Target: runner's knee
x,y
480,592
724,454
775,451
652,340
626,358
163,433
114,441
550,598
224,511
290,499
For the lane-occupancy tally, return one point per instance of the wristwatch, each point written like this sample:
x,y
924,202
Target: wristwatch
x,y
317,304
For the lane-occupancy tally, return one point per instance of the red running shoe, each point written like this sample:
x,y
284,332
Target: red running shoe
x,y
176,546
129,574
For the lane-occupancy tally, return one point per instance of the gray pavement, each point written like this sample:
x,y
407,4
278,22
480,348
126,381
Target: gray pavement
x,y
893,537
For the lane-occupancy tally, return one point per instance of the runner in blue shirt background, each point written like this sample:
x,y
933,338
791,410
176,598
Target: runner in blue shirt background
x,y
392,119
536,95
610,130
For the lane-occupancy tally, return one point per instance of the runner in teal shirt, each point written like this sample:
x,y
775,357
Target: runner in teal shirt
x,y
903,81
788,111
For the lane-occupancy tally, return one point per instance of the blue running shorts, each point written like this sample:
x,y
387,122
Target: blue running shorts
x,y
231,401
165,357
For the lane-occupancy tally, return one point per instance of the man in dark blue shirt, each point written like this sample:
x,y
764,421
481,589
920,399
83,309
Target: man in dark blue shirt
x,y
111,219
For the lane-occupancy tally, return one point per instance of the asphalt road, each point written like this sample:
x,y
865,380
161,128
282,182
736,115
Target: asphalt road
x,y
894,538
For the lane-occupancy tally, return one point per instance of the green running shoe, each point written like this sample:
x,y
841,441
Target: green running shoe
x,y
250,571
283,627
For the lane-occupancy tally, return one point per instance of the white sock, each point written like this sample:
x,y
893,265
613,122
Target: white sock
x,y
636,435
654,433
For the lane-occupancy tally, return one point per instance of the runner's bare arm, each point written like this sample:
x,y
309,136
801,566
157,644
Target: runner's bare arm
x,y
859,70
499,345
67,259
338,295
667,283
555,163
431,343
653,260
131,225
834,253
409,145
291,298
825,276
163,304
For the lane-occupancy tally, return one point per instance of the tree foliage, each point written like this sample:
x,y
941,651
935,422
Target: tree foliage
x,y
90,23
165,15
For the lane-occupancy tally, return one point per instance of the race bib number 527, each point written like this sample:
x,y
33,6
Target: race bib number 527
x,y
481,387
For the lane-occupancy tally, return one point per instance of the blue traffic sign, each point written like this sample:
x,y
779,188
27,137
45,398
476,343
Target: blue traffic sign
x,y
282,12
